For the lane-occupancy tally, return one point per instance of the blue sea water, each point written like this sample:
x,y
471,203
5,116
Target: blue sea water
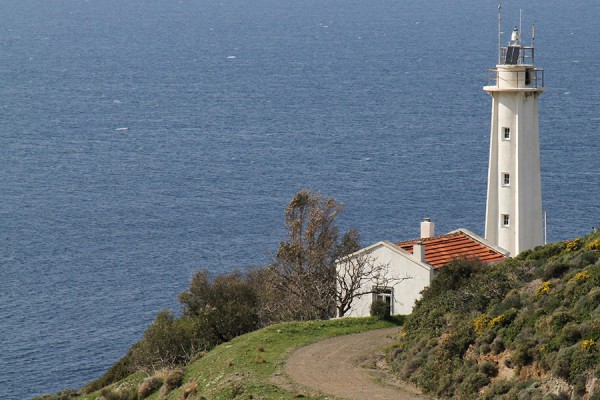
x,y
142,140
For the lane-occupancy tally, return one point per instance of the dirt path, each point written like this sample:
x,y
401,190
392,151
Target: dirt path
x,y
333,366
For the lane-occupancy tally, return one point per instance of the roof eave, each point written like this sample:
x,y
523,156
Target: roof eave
x,y
393,247
483,241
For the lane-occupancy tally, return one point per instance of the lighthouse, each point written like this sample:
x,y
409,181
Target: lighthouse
x,y
514,194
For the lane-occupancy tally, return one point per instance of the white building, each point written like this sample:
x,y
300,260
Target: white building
x,y
514,195
417,260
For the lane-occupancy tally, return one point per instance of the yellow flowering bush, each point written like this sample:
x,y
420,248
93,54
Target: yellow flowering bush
x,y
542,348
544,288
587,344
593,245
499,320
581,276
574,245
480,324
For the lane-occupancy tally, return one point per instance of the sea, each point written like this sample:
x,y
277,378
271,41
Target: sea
x,y
142,140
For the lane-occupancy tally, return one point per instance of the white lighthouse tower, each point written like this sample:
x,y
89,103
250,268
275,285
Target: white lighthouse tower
x,y
514,196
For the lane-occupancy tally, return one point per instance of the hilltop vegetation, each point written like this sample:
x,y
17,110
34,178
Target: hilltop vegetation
x,y
242,368
527,328
299,285
524,329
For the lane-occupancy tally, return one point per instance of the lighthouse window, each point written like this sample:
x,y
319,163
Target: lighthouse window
x,y
505,220
506,135
505,179
528,77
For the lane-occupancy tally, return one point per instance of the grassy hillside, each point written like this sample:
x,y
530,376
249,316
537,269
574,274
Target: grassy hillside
x,y
527,328
244,368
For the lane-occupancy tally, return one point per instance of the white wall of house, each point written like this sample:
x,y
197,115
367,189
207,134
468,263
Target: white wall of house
x,y
400,264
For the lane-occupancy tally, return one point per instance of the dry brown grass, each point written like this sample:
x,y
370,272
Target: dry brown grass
x,y
149,386
190,389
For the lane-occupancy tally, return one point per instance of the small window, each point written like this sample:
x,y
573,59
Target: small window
x,y
505,179
505,220
506,133
384,295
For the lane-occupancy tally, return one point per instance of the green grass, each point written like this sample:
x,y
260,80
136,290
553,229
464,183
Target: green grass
x,y
244,367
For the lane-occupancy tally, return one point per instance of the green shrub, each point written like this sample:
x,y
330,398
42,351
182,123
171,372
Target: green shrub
x,y
469,388
562,363
590,330
397,319
408,368
228,305
582,361
560,319
169,342
497,389
489,369
512,301
579,384
484,348
569,334
521,356
497,345
554,269
584,258
455,274
543,252
380,309
586,305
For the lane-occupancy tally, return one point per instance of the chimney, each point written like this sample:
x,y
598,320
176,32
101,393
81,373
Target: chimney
x,y
427,228
419,252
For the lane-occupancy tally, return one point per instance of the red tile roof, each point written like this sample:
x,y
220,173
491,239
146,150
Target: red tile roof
x,y
439,250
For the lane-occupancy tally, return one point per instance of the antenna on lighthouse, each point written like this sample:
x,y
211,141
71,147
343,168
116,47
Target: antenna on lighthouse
x,y
520,20
545,228
499,31
533,44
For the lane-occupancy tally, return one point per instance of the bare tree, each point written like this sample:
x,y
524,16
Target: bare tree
x,y
360,274
306,284
305,263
